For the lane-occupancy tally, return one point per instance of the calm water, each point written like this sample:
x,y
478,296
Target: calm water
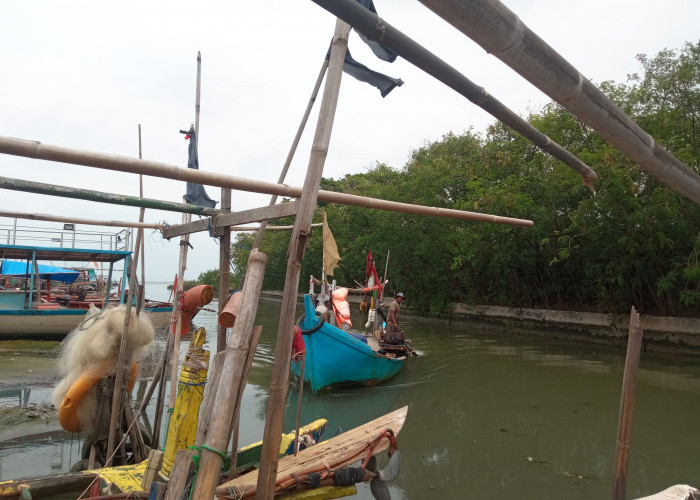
x,y
490,416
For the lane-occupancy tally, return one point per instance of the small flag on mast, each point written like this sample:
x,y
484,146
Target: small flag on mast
x,y
330,249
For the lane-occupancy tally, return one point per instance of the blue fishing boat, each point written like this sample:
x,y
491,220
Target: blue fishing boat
x,y
335,357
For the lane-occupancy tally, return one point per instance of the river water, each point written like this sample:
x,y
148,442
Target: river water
x,y
491,415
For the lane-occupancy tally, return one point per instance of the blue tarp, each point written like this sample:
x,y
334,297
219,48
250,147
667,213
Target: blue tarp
x,y
19,270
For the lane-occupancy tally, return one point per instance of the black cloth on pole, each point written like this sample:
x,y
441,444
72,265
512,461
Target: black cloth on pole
x,y
196,195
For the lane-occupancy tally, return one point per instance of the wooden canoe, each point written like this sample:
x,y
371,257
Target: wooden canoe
x,y
328,452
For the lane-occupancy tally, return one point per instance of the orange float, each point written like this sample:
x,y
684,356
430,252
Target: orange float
x,y
68,412
227,317
192,300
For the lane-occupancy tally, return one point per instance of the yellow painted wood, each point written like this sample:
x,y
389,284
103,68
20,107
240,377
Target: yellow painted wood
x,y
323,493
125,477
185,418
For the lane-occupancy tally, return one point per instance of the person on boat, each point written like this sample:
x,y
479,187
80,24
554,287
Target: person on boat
x,y
392,322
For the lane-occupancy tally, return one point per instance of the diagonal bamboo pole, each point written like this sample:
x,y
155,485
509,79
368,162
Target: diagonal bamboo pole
x,y
502,33
375,28
295,143
220,420
297,245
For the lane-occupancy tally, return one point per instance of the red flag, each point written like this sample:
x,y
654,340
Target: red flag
x,y
298,346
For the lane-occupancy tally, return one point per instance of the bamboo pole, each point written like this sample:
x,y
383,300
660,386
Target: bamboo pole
x,y
224,268
224,408
501,33
33,149
624,425
142,289
297,245
375,28
295,143
182,264
98,196
124,354
78,220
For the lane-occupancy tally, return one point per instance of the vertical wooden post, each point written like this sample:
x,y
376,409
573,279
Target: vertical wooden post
x,y
297,245
224,267
624,425
231,382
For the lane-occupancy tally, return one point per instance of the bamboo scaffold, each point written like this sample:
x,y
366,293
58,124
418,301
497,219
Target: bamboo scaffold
x,y
37,150
375,28
502,33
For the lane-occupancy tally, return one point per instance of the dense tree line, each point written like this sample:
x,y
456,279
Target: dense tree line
x,y
633,242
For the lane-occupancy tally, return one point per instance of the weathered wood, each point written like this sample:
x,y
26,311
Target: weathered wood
x,y
155,460
624,426
178,477
34,149
501,33
295,143
224,408
329,452
214,375
248,363
98,196
297,245
224,267
232,219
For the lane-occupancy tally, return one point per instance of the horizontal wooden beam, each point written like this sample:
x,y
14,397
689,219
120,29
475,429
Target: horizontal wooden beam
x,y
99,196
35,149
233,219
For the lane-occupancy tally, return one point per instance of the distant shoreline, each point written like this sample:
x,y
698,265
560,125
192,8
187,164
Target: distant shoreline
x,y
661,334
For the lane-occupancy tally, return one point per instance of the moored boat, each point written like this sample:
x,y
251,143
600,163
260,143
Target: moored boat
x,y
335,357
33,312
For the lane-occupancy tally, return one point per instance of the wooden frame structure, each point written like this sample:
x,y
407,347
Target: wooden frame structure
x,y
490,24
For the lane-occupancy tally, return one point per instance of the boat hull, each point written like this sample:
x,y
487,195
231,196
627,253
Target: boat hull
x,y
57,323
334,358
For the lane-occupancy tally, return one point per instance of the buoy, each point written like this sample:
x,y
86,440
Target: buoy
x,y
192,300
68,412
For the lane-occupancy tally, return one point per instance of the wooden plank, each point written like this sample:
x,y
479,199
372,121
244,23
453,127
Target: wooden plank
x,y
328,452
233,219
155,460
230,381
180,472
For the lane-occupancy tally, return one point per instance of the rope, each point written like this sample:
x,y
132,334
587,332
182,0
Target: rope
x,y
226,459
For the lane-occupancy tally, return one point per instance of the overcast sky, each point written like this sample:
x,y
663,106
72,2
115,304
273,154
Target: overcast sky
x,y
85,74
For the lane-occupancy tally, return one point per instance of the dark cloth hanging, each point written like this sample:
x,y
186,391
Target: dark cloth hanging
x,y
196,195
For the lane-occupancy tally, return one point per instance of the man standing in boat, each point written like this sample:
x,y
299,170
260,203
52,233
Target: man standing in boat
x,y
392,322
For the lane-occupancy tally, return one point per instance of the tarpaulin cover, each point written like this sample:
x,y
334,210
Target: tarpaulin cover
x,y
19,270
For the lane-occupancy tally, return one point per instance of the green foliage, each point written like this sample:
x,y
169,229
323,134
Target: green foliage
x,y
635,242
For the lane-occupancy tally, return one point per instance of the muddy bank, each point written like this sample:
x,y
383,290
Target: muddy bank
x,y
661,334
